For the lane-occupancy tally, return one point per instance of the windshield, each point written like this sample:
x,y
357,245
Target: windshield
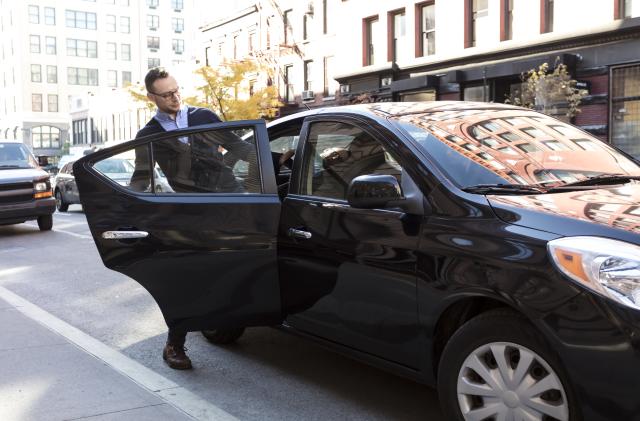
x,y
16,155
504,146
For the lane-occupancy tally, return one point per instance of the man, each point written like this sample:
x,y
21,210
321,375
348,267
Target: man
x,y
191,164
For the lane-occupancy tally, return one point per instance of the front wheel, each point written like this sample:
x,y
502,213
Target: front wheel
x,y
223,336
496,367
45,222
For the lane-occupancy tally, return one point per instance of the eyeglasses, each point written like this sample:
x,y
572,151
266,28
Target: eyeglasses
x,y
167,95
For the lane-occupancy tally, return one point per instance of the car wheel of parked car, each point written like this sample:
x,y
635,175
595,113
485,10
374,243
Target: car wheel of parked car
x,y
45,222
496,366
60,203
223,336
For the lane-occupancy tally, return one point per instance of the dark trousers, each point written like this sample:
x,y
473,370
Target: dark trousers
x,y
176,337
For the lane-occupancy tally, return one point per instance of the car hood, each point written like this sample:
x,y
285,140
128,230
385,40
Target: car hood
x,y
608,212
21,174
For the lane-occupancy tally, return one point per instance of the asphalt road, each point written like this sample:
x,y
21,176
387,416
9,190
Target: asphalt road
x,y
267,375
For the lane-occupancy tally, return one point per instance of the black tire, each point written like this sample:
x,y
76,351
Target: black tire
x,y
521,342
223,336
45,222
61,205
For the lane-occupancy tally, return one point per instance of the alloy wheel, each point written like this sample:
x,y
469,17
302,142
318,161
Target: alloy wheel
x,y
507,381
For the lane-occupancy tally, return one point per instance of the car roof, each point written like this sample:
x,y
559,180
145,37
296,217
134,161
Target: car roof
x,y
10,141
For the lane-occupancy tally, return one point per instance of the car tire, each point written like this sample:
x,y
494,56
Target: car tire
x,y
61,205
223,336
45,222
493,362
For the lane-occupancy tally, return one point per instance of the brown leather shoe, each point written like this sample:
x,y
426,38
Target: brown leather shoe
x,y
176,358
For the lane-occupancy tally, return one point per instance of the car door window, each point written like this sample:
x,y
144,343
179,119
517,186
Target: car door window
x,y
215,161
336,153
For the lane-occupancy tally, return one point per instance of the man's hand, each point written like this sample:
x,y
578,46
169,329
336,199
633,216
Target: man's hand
x,y
286,157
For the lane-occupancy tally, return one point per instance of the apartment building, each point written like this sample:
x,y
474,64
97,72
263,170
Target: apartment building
x,y
60,58
400,50
295,41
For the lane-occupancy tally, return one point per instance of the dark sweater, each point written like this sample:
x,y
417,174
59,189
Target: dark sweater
x,y
195,117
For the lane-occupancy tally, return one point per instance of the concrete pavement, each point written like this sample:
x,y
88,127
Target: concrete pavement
x,y
51,371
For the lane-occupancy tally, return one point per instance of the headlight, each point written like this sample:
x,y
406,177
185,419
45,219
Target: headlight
x,y
608,267
41,186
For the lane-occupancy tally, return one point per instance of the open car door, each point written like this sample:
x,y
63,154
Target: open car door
x,y
203,245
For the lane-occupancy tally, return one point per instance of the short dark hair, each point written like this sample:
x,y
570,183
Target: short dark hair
x,y
153,75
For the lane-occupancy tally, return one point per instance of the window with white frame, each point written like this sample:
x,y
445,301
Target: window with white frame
x,y
82,48
126,78
52,74
153,62
34,14
428,29
36,103
479,21
399,42
177,24
49,16
177,5
125,52
308,75
125,24
153,43
52,103
111,23
112,78
152,4
50,45
82,76
36,73
81,20
178,46
34,43
153,22
112,51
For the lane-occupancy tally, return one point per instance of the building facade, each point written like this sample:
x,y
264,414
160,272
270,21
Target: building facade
x,y
294,42
477,50
58,56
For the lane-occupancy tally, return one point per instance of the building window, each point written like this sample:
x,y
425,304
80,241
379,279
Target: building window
x,y
153,22
235,47
82,48
153,62
506,20
112,78
546,16
111,23
370,29
81,76
252,41
177,5
125,24
625,108
627,9
112,51
426,29
52,103
308,75
177,24
52,74
476,22
49,16
252,87
36,73
288,83
36,103
307,24
34,14
396,35
34,41
79,129
330,84
125,52
152,4
45,137
288,29
153,43
82,20
50,45
126,78
178,46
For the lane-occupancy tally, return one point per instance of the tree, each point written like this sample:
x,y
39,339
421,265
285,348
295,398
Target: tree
x,y
224,90
551,93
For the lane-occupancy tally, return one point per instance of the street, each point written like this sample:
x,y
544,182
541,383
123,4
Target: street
x,y
267,375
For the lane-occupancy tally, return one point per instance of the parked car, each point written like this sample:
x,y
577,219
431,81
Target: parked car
x,y
488,250
25,188
116,169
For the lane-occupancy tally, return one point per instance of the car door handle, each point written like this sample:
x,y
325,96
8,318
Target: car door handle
x,y
124,235
296,233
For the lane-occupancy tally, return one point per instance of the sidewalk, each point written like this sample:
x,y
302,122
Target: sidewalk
x,y
51,371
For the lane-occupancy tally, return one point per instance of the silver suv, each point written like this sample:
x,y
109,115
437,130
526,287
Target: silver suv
x,y
25,188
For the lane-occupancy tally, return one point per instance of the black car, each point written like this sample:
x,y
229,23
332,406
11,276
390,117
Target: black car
x,y
487,250
25,188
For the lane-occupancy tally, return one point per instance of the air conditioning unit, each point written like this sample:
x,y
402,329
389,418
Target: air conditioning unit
x,y
386,81
344,89
307,95
309,8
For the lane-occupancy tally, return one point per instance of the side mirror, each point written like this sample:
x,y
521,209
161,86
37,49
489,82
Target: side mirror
x,y
373,191
43,161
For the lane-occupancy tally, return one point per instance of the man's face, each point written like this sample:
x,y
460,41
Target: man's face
x,y
166,95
